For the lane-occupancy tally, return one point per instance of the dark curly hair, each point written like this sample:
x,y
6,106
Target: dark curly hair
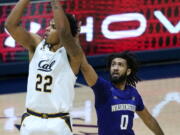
x,y
73,24
132,63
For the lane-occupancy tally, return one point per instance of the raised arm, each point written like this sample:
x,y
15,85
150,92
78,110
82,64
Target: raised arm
x,y
150,122
20,35
66,38
88,72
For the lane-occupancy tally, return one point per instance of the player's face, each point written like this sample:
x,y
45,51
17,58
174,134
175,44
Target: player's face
x,y
119,70
51,34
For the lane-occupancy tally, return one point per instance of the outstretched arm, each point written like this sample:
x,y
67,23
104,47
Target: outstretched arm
x,y
66,38
12,24
150,121
88,72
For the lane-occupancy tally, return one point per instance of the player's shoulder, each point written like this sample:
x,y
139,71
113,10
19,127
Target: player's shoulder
x,y
102,82
133,89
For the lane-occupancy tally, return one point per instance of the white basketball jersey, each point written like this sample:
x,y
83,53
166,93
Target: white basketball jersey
x,y
51,81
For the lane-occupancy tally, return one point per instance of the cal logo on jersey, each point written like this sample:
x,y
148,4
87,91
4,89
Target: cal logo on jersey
x,y
45,65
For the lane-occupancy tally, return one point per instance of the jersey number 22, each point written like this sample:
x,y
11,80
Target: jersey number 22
x,y
43,83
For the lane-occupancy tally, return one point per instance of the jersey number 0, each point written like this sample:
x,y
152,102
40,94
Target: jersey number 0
x,y
124,122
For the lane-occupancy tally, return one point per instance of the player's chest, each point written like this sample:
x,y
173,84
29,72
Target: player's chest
x,y
117,104
47,61
122,102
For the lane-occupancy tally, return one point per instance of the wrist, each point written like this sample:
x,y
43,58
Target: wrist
x,y
54,4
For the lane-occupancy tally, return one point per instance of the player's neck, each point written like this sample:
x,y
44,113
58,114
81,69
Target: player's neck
x,y
121,86
55,47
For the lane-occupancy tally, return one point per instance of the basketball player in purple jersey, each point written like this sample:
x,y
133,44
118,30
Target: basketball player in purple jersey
x,y
117,100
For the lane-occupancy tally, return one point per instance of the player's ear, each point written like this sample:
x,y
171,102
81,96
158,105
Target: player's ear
x,y
128,72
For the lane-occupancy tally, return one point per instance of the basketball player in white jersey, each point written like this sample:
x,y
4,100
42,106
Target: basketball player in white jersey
x,y
54,62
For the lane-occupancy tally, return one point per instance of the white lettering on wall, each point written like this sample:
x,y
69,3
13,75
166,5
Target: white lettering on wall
x,y
166,23
123,18
88,29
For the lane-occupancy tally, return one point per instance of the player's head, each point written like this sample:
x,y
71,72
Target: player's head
x,y
123,68
51,35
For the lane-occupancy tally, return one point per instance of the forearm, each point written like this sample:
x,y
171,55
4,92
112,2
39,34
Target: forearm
x,y
61,21
150,122
88,72
16,14
154,127
63,28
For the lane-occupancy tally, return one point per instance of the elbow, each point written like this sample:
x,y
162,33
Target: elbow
x,y
9,25
78,55
83,67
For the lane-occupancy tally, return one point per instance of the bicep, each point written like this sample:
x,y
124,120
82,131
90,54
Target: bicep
x,y
140,104
26,39
144,115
